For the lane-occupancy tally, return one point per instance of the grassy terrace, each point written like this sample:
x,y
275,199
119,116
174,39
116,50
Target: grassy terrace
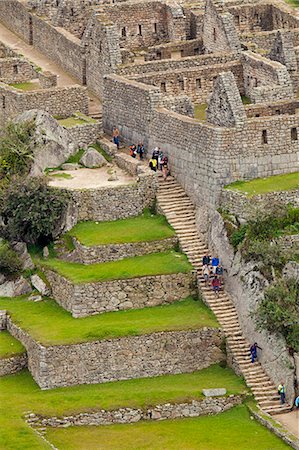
x,y
146,227
9,346
77,119
19,393
26,86
50,324
230,430
152,264
257,186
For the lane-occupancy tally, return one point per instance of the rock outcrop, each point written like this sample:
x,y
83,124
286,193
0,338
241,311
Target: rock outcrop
x,y
52,143
14,288
92,159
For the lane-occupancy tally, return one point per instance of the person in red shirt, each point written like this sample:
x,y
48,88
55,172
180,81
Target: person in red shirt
x,y
216,285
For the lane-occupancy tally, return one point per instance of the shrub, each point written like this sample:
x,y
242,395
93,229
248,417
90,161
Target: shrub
x,y
238,236
32,211
279,311
16,149
9,261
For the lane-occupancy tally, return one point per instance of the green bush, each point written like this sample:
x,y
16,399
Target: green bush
x,y
238,236
279,311
32,211
10,263
16,149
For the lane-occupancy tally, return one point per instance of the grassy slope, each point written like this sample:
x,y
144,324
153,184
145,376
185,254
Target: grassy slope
x,y
230,430
50,324
152,264
145,227
26,86
19,393
200,111
9,346
263,185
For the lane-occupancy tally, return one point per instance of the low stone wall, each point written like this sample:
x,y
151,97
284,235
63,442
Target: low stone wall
x,y
91,298
14,364
114,203
114,252
121,358
85,134
3,320
242,206
131,165
194,408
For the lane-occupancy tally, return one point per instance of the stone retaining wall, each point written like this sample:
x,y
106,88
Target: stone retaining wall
x,y
134,293
243,207
118,202
114,252
121,358
194,408
84,135
14,364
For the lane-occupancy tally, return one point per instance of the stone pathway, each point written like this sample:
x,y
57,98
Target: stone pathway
x,y
180,213
290,421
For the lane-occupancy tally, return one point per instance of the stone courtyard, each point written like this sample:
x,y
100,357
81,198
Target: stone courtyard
x,y
109,334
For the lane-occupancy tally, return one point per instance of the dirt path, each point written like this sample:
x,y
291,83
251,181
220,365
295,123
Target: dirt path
x,y
290,421
38,58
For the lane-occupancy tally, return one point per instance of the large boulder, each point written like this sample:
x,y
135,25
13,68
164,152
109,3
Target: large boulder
x,y
39,284
14,288
92,158
21,249
52,143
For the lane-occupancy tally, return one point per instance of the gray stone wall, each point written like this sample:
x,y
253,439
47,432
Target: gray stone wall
x,y
114,203
3,320
123,358
194,408
62,101
245,207
113,252
265,80
13,364
47,80
86,299
16,70
85,134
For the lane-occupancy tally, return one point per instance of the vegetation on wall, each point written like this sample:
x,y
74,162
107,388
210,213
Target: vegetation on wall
x,y
10,263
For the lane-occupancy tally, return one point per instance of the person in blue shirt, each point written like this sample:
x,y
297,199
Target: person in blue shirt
x,y
215,262
297,402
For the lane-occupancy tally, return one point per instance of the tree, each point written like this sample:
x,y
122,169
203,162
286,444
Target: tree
x,y
32,211
279,310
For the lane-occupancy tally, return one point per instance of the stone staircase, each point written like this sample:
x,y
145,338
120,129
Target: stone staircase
x,y
180,213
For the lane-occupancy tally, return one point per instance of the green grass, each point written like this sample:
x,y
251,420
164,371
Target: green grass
x,y
257,186
50,324
138,266
67,176
101,151
27,86
230,430
76,119
294,3
200,111
19,393
9,346
75,159
146,227
245,100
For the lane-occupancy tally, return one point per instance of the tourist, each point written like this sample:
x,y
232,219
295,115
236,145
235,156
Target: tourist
x,y
297,402
206,274
219,272
153,164
206,260
140,150
253,351
215,262
282,393
165,168
156,152
160,159
115,136
133,150
216,285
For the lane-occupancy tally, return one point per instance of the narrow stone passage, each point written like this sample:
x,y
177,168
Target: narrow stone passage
x,y
180,213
